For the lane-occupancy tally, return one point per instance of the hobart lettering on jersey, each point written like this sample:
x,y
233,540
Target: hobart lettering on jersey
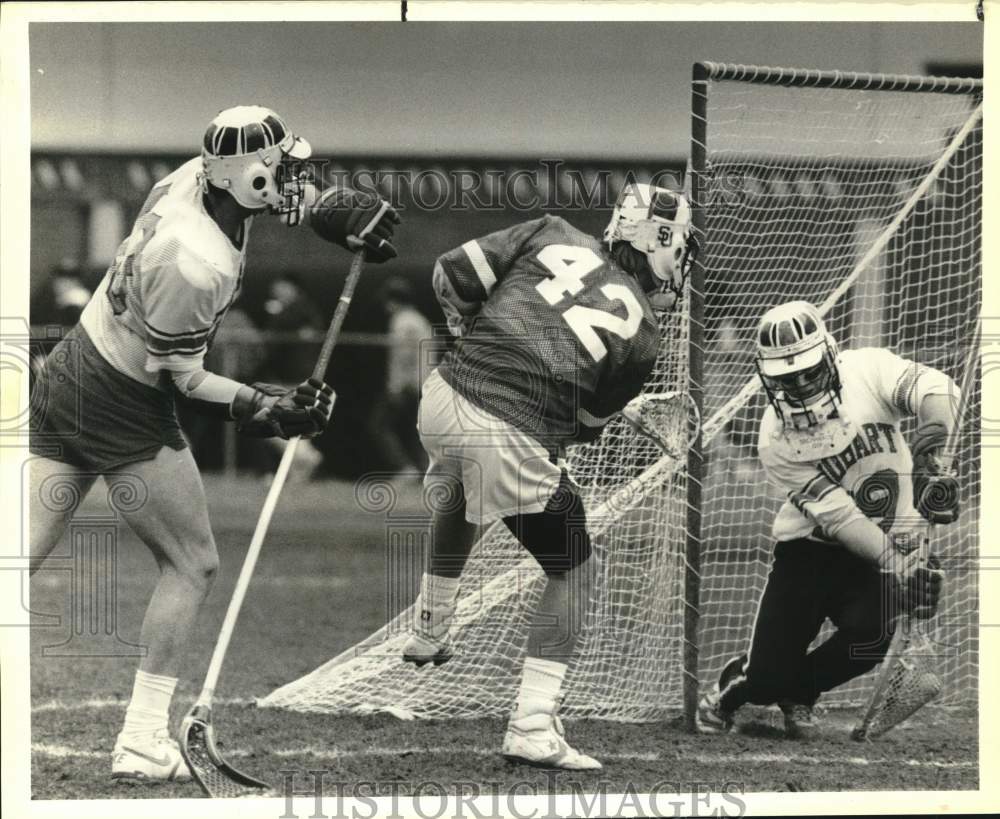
x,y
867,442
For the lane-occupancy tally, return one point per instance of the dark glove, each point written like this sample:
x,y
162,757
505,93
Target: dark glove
x,y
917,583
355,220
935,487
923,589
277,411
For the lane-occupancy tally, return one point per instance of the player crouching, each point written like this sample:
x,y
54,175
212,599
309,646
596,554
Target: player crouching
x,y
556,334
850,545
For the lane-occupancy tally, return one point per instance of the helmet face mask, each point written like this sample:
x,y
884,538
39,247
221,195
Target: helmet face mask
x,y
244,153
797,364
802,385
656,222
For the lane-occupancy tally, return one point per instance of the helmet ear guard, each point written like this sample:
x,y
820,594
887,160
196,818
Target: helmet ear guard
x,y
243,153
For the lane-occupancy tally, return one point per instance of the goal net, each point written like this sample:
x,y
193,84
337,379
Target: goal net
x,y
804,192
862,195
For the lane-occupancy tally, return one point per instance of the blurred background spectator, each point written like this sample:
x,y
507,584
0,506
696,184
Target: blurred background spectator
x,y
62,296
292,317
409,359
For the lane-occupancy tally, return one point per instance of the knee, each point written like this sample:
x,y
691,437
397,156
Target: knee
x,y
868,641
557,537
199,564
867,629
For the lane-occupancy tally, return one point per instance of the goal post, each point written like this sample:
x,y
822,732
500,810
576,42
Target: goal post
x,y
858,192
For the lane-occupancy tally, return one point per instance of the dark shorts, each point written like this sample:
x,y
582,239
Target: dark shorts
x,y
87,414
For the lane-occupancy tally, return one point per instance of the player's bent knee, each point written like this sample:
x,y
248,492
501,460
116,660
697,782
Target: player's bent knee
x,y
198,564
557,537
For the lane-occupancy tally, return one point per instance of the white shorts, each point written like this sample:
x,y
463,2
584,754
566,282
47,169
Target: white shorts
x,y
503,470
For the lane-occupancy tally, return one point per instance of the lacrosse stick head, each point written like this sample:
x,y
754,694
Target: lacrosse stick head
x,y
670,419
217,777
907,686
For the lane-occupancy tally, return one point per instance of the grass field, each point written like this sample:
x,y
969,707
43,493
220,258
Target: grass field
x,y
318,589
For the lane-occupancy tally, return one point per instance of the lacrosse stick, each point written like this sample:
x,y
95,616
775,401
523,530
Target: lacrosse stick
x,y
216,776
905,683
669,419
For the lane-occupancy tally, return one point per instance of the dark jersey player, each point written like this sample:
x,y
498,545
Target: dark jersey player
x,y
556,333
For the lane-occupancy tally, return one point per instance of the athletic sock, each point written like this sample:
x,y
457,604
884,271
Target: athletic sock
x,y
149,708
541,682
438,596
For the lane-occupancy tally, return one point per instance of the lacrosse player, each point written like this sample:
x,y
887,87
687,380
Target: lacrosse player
x,y
556,333
848,533
140,344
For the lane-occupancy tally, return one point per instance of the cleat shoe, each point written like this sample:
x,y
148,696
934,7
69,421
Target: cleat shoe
x,y
538,740
710,718
148,758
421,649
800,722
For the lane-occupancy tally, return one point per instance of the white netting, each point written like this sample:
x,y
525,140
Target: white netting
x,y
805,187
812,178
907,682
630,663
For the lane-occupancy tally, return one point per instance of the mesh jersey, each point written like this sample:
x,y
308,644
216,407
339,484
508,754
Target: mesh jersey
x,y
871,476
171,283
561,339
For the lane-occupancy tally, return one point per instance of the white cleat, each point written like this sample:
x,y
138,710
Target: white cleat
x,y
421,649
710,718
538,739
151,757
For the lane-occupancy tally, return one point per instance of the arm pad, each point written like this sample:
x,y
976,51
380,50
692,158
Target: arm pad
x,y
207,392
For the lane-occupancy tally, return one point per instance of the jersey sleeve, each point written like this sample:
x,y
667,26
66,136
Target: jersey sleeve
x,y
825,503
903,384
473,270
181,299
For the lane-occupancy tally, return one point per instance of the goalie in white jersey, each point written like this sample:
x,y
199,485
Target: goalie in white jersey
x,y
857,506
103,405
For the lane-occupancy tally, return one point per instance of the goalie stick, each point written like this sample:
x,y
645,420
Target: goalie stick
x,y
217,777
904,684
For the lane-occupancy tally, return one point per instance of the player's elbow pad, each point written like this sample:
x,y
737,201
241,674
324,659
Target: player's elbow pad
x,y
831,510
206,393
833,521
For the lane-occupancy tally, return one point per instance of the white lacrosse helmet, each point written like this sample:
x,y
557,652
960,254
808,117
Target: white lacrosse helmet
x,y
657,222
797,363
242,154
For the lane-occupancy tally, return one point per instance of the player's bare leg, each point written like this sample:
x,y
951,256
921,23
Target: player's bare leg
x,y
557,537
535,732
173,523
451,542
56,491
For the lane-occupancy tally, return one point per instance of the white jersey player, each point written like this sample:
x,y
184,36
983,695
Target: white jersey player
x,y
171,284
104,404
856,507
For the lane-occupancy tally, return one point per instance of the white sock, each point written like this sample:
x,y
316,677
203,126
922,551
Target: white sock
x,y
436,608
149,708
541,682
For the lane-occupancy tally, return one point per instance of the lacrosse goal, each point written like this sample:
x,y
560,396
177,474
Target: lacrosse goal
x,y
860,193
